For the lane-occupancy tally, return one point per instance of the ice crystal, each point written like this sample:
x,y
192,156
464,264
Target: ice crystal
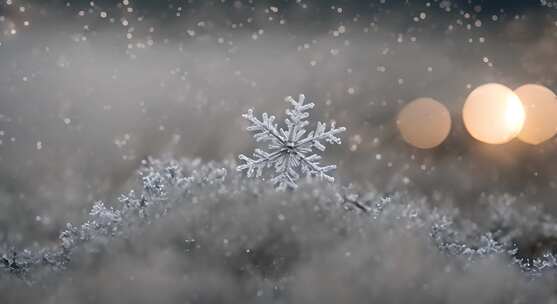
x,y
291,150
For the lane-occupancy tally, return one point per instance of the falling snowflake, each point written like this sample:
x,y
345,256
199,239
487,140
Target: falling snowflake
x,y
289,150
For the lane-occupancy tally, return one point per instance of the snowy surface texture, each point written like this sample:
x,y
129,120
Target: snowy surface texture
x,y
290,148
202,233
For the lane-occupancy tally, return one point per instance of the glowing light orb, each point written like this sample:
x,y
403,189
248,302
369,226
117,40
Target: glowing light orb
x,y
424,123
540,105
493,114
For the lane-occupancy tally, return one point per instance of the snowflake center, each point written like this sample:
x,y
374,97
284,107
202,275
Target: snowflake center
x,y
290,146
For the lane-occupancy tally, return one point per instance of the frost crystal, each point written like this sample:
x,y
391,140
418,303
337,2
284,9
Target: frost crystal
x,y
289,150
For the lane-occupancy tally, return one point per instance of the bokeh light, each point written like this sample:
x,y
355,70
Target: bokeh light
x,y
424,123
493,114
540,106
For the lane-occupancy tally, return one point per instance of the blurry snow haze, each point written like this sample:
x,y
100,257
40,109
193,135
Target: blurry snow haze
x,y
90,89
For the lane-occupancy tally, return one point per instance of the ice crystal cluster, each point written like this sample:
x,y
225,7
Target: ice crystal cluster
x,y
204,233
290,150
161,188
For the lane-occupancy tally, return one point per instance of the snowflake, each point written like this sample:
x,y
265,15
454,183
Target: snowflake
x,y
289,150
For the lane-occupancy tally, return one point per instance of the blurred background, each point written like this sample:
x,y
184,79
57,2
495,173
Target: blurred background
x,y
88,89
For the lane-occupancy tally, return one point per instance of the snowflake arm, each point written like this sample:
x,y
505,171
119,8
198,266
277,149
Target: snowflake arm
x,y
297,116
264,130
261,159
291,150
311,166
286,173
313,140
